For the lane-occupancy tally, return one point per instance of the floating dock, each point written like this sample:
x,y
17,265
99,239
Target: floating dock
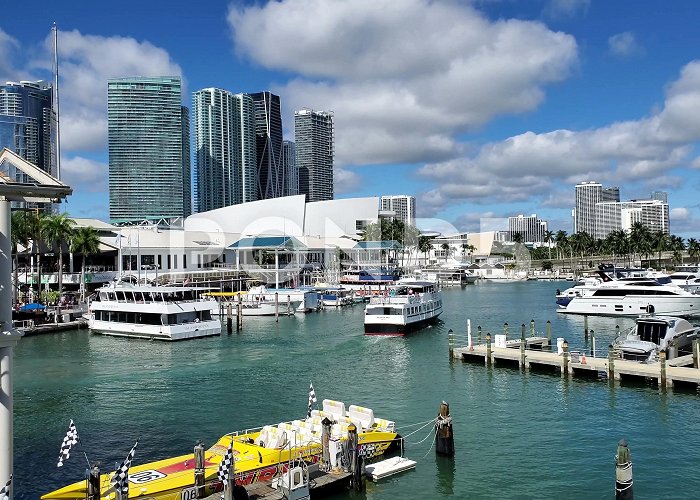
x,y
570,364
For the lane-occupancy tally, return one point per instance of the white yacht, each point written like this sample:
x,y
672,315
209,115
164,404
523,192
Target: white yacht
x,y
687,280
152,312
405,307
635,296
585,286
654,334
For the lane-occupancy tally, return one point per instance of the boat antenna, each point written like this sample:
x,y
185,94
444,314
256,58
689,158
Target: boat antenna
x,y
54,101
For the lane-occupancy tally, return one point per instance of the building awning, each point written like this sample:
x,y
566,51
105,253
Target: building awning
x,y
377,245
268,243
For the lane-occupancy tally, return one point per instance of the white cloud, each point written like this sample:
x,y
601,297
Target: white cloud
x,y
404,78
684,220
345,181
8,45
624,45
87,62
558,9
531,165
83,174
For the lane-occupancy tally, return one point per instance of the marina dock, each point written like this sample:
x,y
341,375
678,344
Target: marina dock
x,y
535,355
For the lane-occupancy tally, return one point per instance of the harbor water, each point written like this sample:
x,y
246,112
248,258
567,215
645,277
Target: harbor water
x,y
517,435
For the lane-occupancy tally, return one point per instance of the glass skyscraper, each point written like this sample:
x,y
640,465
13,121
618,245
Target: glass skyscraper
x,y
149,162
313,135
289,161
28,123
225,148
268,131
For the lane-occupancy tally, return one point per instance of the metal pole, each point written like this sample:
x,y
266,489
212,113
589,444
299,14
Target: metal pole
x,y
277,306
8,339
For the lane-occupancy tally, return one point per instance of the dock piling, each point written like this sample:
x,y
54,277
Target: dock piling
x,y
488,349
356,477
532,328
523,364
611,364
239,316
663,380
567,357
696,353
93,483
277,306
623,472
470,344
478,333
229,318
199,470
444,437
592,344
505,330
289,305
585,327
522,333
451,342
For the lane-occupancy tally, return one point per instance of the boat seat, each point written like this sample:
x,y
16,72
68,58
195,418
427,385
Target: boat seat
x,y
381,424
335,408
289,435
314,420
339,431
270,437
297,424
362,416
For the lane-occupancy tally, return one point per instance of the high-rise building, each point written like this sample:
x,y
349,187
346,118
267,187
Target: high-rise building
x,y
225,149
148,158
622,215
289,161
530,228
403,206
268,132
587,195
313,134
28,123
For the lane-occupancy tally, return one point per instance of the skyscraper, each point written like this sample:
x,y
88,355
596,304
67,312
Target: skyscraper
x,y
313,134
587,195
268,133
289,161
225,142
530,228
149,164
28,123
404,206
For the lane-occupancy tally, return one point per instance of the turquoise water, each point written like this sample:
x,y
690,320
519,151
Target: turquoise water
x,y
517,436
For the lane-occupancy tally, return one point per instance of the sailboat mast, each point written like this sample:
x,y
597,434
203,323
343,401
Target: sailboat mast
x,y
55,101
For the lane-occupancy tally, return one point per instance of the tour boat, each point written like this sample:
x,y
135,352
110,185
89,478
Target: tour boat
x,y
405,307
260,455
654,334
635,296
152,312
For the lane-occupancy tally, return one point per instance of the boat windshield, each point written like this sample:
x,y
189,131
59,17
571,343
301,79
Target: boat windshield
x,y
651,331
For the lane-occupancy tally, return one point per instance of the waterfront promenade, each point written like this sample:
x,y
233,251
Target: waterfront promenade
x,y
168,395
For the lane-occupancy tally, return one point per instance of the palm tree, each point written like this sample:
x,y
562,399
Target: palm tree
x,y
56,230
693,248
561,240
20,235
86,242
424,246
446,247
468,248
548,239
517,237
661,243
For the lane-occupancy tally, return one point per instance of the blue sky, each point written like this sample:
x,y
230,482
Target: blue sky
x,y
481,109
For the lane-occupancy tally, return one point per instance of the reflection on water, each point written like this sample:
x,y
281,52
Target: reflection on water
x,y
445,475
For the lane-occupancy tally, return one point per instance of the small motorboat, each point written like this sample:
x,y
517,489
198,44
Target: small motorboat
x,y
654,334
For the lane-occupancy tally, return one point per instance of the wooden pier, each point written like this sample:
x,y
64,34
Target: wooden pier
x,y
683,369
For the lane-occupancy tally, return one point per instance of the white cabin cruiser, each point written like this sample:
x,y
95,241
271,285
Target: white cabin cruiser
x,y
152,312
654,334
689,281
635,296
403,308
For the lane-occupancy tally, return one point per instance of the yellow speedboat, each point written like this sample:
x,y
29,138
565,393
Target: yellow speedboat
x,y
259,455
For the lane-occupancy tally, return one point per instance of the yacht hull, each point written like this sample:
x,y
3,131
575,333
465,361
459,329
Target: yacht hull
x,y
634,305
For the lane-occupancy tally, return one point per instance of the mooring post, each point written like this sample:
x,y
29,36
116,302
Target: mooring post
x,y
478,332
356,476
549,333
470,343
199,469
585,327
611,364
239,316
522,333
505,330
696,353
93,483
289,305
451,342
325,444
623,472
229,318
277,306
566,357
532,328
662,374
592,343
444,437
523,366
488,349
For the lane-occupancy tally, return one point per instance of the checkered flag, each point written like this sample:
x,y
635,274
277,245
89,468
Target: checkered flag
x,y
68,441
120,480
5,490
225,465
312,398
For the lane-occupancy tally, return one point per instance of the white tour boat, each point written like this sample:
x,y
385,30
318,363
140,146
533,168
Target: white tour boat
x,y
152,312
635,296
403,308
654,334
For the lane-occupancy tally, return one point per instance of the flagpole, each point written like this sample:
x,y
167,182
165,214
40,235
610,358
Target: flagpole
x,y
138,253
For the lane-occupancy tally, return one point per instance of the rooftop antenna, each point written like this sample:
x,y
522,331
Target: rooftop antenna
x,y
54,29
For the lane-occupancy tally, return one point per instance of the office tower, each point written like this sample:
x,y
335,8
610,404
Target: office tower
x,y
614,216
28,123
587,195
268,133
313,135
403,206
530,228
186,162
291,171
148,160
225,148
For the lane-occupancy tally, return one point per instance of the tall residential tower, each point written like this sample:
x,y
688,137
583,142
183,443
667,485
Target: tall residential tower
x,y
404,206
149,163
225,149
313,135
268,132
